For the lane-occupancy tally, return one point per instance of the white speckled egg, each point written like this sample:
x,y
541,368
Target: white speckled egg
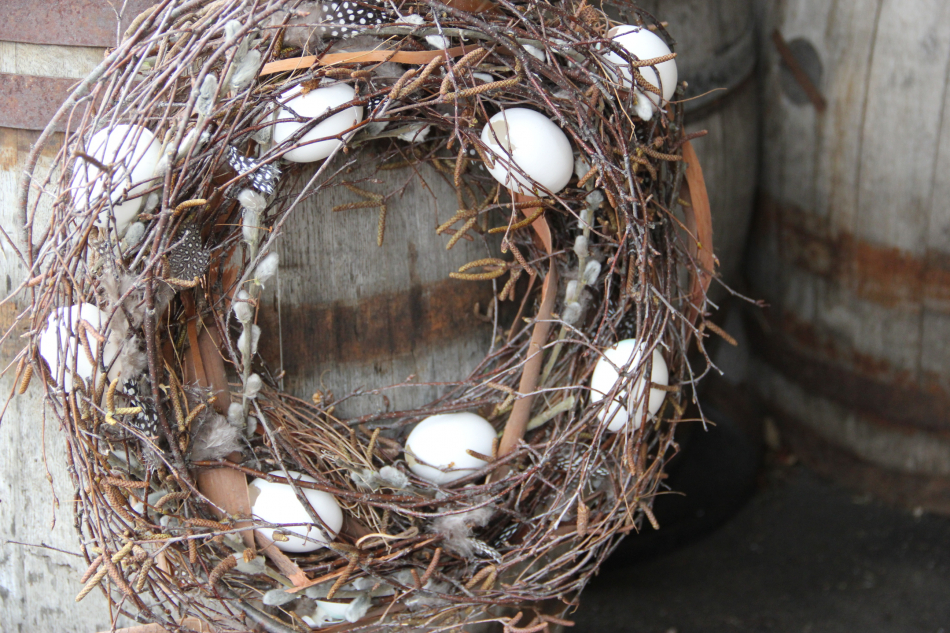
x,y
605,376
523,140
441,441
276,503
134,153
59,343
644,44
312,105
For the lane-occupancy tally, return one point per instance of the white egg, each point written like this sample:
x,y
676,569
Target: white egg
x,y
644,44
276,503
441,441
310,106
134,153
526,141
60,344
605,376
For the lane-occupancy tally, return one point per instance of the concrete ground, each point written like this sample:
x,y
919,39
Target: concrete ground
x,y
803,556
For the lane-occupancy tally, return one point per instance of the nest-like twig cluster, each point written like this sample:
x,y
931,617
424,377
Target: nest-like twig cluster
x,y
523,534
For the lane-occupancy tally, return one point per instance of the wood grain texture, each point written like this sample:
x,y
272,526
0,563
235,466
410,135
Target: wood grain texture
x,y
37,586
42,60
357,315
853,232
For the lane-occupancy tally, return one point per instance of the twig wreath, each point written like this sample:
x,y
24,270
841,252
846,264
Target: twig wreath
x,y
209,497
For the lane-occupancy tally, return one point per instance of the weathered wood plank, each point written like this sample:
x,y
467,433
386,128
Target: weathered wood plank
x,y
37,585
853,252
904,109
358,315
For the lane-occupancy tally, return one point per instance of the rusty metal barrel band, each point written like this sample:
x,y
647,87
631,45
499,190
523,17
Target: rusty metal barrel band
x,y
66,22
831,460
28,103
711,82
900,405
878,273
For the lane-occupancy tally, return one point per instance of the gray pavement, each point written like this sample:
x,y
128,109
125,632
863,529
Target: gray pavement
x,y
803,556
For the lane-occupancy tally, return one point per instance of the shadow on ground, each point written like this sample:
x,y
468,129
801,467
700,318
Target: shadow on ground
x,y
803,556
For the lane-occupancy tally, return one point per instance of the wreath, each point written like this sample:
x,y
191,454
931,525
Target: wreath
x,y
205,494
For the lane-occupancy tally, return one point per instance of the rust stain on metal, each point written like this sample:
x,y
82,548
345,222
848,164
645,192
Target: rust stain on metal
x,y
383,326
28,102
856,381
66,22
878,273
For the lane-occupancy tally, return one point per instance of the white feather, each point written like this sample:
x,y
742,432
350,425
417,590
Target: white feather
x,y
207,95
214,438
456,529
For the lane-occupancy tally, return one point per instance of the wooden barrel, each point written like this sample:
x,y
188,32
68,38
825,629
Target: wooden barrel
x,y
44,48
717,58
851,243
355,316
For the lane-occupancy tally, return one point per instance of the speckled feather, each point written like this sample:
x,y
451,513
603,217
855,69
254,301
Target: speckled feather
x,y
147,420
260,177
343,19
189,258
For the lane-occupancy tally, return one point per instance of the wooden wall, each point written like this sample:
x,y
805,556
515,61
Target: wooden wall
x,y
37,585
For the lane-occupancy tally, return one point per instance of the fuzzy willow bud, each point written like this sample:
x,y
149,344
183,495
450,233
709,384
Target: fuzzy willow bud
x,y
206,95
591,272
133,235
151,203
243,310
231,30
253,386
571,293
236,415
246,71
266,270
252,201
255,337
250,223
580,247
572,312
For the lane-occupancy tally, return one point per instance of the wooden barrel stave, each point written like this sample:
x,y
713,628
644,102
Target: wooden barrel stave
x,y
850,247
355,315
